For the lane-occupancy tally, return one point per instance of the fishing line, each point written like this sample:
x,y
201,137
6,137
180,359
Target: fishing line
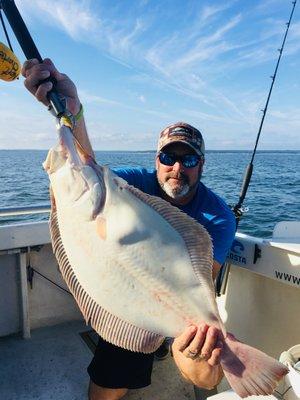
x,y
32,270
5,30
238,209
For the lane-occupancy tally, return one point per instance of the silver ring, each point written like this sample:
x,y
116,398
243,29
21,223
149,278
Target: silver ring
x,y
192,354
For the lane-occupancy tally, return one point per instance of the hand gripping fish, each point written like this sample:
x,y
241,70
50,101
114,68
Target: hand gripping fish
x,y
139,268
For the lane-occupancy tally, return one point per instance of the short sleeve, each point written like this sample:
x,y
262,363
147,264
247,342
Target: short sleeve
x,y
141,178
130,175
222,232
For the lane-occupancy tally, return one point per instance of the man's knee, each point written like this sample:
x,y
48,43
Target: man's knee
x,y
101,393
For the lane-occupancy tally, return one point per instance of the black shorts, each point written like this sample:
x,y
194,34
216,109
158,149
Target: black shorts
x,y
115,368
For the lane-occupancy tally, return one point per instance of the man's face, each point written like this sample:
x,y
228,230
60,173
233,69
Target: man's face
x,y
176,180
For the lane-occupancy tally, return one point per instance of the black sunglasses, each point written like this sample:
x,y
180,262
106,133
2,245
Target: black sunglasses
x,y
188,160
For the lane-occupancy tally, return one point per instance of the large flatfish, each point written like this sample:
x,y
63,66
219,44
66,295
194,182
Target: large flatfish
x,y
139,268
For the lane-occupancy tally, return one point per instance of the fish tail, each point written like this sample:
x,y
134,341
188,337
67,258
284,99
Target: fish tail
x,y
250,371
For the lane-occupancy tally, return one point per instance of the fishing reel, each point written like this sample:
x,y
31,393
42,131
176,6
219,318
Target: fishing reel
x,y
10,66
29,49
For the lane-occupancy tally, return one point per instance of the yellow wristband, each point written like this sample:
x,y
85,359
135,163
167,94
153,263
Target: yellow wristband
x,y
79,115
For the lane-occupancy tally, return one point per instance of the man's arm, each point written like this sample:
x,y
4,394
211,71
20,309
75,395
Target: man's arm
x,y
35,72
80,132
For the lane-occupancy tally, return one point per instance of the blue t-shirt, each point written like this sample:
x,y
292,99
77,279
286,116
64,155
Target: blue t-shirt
x,y
206,207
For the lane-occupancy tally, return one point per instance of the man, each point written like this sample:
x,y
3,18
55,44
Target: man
x,y
179,165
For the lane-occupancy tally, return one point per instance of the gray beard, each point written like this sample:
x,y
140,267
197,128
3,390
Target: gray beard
x,y
175,193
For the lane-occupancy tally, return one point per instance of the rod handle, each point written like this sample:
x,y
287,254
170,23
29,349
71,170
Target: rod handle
x,y
246,181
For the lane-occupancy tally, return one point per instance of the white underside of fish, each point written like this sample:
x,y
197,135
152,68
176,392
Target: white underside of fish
x,y
139,268
140,259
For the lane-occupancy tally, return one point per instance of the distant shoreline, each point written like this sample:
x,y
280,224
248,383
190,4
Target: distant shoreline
x,y
154,151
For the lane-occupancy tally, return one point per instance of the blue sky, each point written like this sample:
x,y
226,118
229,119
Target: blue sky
x,y
141,65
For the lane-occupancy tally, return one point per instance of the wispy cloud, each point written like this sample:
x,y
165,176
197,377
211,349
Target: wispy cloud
x,y
195,51
94,99
74,17
210,11
120,39
87,22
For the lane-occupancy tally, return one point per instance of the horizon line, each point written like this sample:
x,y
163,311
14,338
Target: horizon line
x,y
154,151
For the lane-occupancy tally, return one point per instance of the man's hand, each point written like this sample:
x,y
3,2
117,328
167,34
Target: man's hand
x,y
197,354
35,72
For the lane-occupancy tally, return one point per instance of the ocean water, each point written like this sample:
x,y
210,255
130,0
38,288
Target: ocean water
x,y
273,194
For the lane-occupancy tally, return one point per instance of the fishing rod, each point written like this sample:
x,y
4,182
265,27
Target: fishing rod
x,y
238,209
30,50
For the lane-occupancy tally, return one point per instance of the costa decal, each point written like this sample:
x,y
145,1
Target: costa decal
x,y
237,247
236,252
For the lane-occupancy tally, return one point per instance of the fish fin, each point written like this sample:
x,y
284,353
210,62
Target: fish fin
x,y
197,239
52,199
108,326
250,371
56,158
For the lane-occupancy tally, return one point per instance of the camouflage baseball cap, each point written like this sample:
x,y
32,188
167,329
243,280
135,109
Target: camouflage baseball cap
x,y
184,133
